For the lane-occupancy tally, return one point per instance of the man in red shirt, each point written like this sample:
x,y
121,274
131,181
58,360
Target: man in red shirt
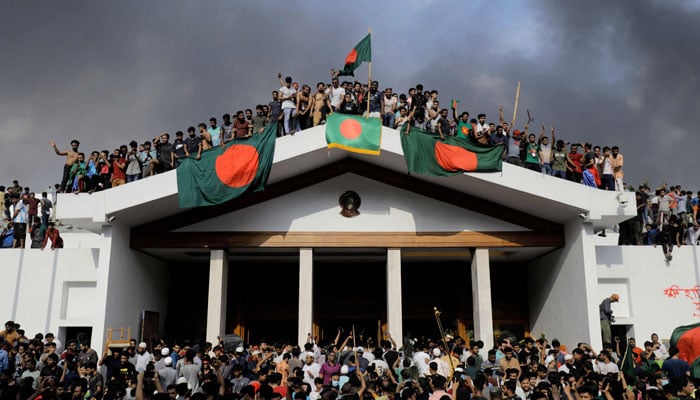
x,y
53,235
573,164
241,126
118,168
33,209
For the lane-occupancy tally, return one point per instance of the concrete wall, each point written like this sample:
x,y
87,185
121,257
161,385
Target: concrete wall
x,y
560,305
48,290
131,282
655,296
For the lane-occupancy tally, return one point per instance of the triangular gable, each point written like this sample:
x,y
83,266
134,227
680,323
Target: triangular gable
x,y
384,208
533,231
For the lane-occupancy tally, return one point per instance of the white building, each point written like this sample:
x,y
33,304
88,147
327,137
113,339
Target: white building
x,y
514,250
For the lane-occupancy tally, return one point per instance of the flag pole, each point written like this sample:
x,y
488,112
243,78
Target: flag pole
x,y
517,97
369,75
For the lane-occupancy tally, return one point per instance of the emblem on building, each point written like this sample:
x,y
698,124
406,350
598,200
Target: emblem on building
x,y
349,204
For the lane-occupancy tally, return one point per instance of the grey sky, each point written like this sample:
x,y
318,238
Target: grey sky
x,y
623,72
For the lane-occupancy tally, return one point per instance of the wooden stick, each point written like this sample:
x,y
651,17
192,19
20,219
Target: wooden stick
x,y
442,336
517,98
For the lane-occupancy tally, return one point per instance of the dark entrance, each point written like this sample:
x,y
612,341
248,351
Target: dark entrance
x,y
349,293
263,299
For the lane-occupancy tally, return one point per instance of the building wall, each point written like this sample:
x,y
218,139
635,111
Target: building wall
x,y
134,282
560,305
48,290
655,296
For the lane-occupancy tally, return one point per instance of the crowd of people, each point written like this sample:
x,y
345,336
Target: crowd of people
x,y
667,217
293,108
23,213
364,369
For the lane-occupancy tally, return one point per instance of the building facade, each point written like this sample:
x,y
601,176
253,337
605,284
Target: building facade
x,y
511,251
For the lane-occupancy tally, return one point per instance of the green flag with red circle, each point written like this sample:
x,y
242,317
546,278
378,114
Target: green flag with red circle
x,y
687,339
353,133
425,153
360,53
225,173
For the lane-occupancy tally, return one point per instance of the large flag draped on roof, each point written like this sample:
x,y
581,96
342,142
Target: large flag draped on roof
x,y
225,173
353,133
427,154
360,53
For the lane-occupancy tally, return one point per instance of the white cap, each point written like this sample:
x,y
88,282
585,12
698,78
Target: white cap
x,y
143,345
548,360
165,351
168,361
436,352
344,370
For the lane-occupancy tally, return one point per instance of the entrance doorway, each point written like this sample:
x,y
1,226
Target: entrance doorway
x,y
347,294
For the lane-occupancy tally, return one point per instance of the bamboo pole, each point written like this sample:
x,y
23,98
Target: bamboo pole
x,y
517,98
369,74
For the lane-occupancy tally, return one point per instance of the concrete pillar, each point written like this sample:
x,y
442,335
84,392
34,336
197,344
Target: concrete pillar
x,y
218,285
306,294
481,297
394,312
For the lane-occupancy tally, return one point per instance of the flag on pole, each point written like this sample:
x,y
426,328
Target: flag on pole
x,y
426,154
225,173
353,133
360,53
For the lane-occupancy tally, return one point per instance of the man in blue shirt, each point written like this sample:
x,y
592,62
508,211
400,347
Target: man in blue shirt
x,y
4,359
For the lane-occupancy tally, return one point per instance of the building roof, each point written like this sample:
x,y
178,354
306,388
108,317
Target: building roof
x,y
517,188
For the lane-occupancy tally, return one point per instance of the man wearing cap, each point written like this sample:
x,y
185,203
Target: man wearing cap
x,y
514,148
568,364
442,368
143,357
167,374
606,316
311,368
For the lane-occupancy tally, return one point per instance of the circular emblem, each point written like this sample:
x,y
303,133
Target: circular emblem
x,y
349,204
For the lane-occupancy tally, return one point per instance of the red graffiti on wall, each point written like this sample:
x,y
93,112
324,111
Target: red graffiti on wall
x,y
692,293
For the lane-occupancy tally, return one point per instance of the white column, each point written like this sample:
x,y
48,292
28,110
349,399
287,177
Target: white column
x,y
394,312
218,285
481,297
306,294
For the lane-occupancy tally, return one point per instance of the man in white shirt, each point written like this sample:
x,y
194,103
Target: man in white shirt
x,y
143,357
604,365
311,369
287,96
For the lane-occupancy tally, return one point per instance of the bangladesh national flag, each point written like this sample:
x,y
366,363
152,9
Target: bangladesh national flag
x,y
224,173
628,364
360,53
353,133
687,340
426,154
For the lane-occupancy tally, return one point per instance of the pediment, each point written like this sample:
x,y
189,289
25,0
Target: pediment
x,y
397,210
384,208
